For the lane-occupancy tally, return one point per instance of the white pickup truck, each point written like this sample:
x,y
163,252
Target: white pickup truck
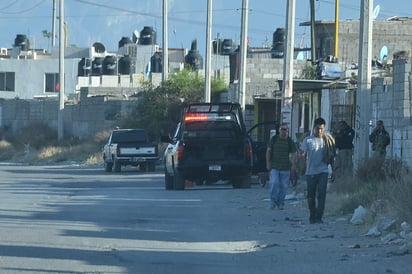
x,y
129,147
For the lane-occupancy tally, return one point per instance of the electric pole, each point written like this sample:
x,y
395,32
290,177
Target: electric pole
x,y
60,127
243,53
363,105
287,88
208,51
165,43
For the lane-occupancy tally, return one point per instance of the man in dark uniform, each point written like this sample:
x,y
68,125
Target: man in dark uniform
x,y
380,139
344,150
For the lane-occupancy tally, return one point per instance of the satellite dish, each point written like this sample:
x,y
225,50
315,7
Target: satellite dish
x,y
99,47
383,55
376,11
136,36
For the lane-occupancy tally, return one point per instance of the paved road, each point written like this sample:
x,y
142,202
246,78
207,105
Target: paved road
x,y
70,219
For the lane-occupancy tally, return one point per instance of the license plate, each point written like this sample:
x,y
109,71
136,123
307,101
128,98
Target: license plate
x,y
215,167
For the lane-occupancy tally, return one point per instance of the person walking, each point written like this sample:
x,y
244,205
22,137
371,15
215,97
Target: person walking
x,y
344,150
380,139
319,151
279,161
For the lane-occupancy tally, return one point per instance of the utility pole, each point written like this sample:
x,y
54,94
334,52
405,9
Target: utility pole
x,y
60,127
363,105
336,28
208,51
312,31
165,43
54,24
243,53
287,88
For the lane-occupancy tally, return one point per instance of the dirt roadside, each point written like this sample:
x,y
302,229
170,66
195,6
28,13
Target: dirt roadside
x,y
336,246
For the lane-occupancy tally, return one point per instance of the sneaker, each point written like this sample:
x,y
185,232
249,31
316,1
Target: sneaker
x,y
272,207
281,207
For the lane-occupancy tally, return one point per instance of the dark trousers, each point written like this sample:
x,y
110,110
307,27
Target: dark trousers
x,y
316,187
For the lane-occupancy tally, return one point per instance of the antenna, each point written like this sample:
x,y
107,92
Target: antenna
x,y
136,36
376,12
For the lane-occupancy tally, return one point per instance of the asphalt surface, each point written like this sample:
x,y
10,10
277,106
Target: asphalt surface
x,y
74,219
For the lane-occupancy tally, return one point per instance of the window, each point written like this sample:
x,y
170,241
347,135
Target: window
x,y
52,80
7,81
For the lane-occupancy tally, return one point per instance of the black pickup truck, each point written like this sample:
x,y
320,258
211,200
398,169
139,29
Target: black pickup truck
x,y
129,147
210,144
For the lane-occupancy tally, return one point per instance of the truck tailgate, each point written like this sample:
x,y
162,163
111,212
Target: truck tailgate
x,y
145,150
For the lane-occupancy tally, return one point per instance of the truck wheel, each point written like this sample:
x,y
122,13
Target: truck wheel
x,y
108,166
168,181
117,166
178,182
143,167
241,182
151,166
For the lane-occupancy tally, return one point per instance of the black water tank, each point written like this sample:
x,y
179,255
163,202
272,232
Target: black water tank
x,y
147,36
109,65
227,47
278,43
278,50
21,41
84,67
125,65
193,59
217,46
278,36
97,66
124,41
156,62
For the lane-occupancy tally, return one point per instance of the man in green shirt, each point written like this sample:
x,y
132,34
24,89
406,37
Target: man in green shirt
x,y
280,154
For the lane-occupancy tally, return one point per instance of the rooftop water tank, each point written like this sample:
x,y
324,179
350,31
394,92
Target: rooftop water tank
x,y
227,47
21,41
125,65
84,67
124,41
97,66
156,62
147,36
193,59
216,46
109,65
278,43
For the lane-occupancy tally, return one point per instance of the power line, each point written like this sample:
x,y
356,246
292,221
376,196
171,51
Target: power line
x,y
2,10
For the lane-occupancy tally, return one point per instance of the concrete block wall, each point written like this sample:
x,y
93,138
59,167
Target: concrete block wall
x,y
392,104
262,77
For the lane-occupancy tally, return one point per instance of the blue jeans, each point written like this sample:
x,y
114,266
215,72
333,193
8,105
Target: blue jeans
x,y
317,185
278,181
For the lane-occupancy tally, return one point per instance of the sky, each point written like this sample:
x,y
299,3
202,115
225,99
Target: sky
x,y
107,21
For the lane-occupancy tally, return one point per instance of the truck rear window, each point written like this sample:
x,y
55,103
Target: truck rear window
x,y
211,129
129,136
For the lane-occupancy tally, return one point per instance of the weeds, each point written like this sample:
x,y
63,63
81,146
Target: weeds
x,y
377,181
37,143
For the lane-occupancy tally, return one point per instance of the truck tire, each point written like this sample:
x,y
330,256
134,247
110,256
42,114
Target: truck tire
x,y
108,166
117,166
168,181
143,167
151,166
241,182
178,182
